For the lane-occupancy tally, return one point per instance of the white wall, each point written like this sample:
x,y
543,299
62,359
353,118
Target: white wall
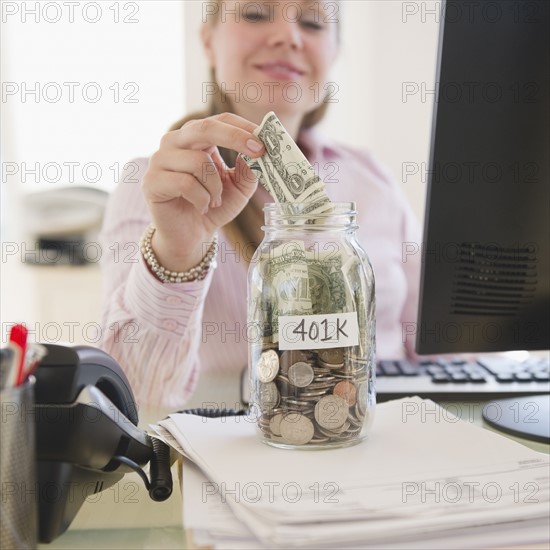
x,y
56,62
135,48
386,43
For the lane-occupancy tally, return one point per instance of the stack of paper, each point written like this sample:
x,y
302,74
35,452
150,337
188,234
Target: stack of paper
x,y
422,477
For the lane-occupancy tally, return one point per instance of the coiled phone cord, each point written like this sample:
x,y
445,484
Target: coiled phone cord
x,y
160,486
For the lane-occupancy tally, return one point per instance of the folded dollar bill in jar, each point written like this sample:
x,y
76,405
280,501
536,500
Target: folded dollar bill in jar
x,y
284,170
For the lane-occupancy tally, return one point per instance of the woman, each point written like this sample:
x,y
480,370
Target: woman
x,y
195,187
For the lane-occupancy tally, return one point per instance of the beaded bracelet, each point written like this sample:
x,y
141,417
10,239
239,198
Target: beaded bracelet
x,y
197,273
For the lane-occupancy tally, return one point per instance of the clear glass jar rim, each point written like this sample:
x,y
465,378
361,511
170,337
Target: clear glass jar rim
x,y
295,208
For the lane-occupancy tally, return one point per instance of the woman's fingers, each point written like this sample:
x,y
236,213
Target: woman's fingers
x,y
188,165
199,164
225,130
238,188
245,179
164,186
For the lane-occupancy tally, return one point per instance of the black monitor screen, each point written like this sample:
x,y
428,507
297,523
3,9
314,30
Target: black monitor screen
x,y
485,252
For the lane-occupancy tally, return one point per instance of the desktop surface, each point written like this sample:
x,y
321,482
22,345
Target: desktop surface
x,y
124,517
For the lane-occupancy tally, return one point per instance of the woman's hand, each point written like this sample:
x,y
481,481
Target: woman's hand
x,y
191,192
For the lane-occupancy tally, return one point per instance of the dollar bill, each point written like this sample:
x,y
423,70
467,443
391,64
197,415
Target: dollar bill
x,y
327,283
288,276
284,171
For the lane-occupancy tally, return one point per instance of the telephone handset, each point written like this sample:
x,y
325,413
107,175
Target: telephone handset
x,y
87,436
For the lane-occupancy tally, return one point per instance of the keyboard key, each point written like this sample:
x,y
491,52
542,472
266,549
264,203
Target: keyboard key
x,y
441,378
523,376
408,368
473,368
477,378
452,368
504,377
498,365
459,377
538,368
389,368
541,376
434,370
474,372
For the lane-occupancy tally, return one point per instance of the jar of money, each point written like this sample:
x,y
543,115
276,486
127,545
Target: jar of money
x,y
311,328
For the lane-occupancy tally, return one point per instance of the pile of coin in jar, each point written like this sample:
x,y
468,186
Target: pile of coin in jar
x,y
313,397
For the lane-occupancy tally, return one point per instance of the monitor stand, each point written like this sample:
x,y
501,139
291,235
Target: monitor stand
x,y
527,416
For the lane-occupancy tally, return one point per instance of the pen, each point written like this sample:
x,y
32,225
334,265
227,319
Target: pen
x,y
35,354
18,343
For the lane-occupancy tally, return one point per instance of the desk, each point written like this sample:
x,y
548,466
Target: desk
x,y
122,517
125,517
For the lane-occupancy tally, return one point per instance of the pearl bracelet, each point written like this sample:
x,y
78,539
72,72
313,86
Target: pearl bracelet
x,y
197,273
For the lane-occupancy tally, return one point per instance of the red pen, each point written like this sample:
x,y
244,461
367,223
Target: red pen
x,y
35,354
18,343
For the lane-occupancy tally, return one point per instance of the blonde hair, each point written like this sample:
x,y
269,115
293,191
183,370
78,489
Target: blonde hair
x,y
244,228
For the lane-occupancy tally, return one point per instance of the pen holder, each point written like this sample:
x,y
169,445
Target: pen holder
x,y
18,488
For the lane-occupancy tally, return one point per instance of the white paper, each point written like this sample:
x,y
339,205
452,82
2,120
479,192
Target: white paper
x,y
398,481
332,330
213,524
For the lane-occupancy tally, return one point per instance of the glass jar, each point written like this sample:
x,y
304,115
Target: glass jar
x,y
311,327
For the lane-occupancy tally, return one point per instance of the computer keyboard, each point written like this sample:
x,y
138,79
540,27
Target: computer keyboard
x,y
488,377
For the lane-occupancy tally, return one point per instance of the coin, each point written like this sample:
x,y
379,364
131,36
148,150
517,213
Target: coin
x,y
297,429
320,388
332,356
317,393
331,412
269,396
344,428
347,390
362,398
268,366
296,402
289,357
275,424
330,366
300,374
320,370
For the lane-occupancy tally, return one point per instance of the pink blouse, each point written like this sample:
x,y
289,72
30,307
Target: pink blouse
x,y
164,335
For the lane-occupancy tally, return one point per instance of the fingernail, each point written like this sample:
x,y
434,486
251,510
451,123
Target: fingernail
x,y
254,146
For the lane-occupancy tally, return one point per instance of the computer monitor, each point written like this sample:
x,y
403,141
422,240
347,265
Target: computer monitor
x,y
485,283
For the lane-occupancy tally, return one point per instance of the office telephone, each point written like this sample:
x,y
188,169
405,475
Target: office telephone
x,y
87,436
